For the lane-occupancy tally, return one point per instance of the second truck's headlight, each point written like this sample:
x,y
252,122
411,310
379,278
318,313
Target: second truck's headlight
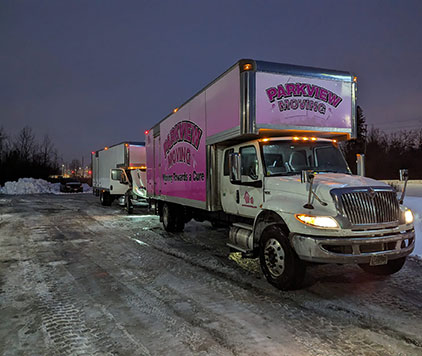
x,y
408,216
326,222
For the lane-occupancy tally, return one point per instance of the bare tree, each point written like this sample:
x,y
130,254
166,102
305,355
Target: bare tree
x,y
25,144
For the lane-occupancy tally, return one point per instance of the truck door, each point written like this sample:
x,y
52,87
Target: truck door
x,y
229,194
250,189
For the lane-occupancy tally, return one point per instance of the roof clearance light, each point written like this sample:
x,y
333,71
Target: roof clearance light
x,y
334,140
295,138
146,132
313,138
305,138
106,148
175,110
247,66
265,139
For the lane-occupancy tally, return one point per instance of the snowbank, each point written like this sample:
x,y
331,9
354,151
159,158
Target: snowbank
x,y
34,186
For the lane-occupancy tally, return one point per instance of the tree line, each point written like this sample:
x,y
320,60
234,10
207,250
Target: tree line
x,y
385,153
24,156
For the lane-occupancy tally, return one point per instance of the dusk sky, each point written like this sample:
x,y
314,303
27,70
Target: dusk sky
x,y
94,73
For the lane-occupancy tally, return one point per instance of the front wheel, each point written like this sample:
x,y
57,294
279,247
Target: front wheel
x,y
279,262
129,205
392,266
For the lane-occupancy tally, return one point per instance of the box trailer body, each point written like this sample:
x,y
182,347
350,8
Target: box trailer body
x,y
257,149
119,171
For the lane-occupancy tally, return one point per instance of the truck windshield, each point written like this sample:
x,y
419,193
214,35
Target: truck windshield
x,y
289,158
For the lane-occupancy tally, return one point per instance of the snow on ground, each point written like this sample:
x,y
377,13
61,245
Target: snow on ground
x,y
38,186
34,186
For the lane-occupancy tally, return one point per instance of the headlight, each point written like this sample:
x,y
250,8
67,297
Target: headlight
x,y
318,221
408,216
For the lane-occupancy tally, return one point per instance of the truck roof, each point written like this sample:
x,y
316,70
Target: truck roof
x,y
281,68
133,143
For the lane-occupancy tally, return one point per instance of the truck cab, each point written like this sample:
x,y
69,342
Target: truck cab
x,y
334,217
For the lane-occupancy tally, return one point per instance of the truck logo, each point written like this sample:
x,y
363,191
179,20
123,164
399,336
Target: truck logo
x,y
372,193
304,91
183,131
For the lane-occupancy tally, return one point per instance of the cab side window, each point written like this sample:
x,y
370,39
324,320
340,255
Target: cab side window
x,y
249,161
226,161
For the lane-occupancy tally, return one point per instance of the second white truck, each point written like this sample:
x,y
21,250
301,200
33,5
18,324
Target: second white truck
x,y
119,172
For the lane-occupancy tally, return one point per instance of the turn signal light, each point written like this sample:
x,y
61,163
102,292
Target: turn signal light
x,y
247,66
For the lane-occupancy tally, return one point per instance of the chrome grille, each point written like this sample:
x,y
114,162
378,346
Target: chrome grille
x,y
370,206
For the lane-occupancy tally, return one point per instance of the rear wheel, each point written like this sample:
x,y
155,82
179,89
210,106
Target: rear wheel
x,y
173,221
392,266
279,262
105,198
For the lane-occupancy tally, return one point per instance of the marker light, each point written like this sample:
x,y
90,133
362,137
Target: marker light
x,y
326,222
106,148
93,152
146,132
175,110
247,66
355,79
126,145
408,216
334,141
265,139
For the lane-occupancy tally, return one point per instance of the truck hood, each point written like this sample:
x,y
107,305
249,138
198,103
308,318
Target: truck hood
x,y
323,183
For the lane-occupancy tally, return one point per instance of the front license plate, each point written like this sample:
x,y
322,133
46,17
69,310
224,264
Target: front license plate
x,y
378,260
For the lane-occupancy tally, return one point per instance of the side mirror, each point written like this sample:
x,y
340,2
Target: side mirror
x,y
234,167
404,174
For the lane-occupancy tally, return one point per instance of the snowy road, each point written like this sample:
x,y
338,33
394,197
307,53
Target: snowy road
x,y
77,278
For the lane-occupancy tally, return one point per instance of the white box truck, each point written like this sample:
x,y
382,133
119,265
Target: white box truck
x,y
119,172
257,149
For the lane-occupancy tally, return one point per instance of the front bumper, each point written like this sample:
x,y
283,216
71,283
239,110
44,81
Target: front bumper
x,y
353,249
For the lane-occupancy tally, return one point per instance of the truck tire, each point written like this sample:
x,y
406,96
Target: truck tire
x,y
105,198
392,266
128,204
279,262
172,220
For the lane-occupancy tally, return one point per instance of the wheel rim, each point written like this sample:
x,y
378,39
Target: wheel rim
x,y
274,257
165,215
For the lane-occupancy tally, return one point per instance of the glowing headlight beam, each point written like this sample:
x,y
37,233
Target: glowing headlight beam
x,y
318,221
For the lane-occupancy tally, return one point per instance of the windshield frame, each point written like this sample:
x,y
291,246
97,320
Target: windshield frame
x,y
327,143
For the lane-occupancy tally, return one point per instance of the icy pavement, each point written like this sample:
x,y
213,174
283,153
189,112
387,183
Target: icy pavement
x,y
77,278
